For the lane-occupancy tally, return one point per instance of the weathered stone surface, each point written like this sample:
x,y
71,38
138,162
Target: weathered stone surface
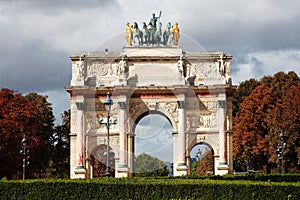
x,y
184,87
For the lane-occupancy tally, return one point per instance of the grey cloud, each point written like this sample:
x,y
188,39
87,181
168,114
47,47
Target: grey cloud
x,y
33,67
54,7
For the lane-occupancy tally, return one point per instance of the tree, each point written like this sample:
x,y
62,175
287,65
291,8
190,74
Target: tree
x,y
244,89
250,129
18,117
60,141
146,165
205,165
46,119
272,106
286,117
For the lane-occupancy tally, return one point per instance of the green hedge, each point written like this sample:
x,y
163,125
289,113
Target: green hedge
x,y
252,177
142,188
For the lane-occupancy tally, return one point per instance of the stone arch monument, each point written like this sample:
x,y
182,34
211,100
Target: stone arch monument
x,y
192,90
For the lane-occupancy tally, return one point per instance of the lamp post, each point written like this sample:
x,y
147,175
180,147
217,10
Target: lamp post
x,y
25,153
281,146
107,103
199,155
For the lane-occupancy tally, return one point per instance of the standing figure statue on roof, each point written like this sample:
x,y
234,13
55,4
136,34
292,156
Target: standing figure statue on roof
x,y
128,35
176,34
152,25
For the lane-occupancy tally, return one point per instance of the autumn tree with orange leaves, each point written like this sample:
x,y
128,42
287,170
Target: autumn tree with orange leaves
x,y
271,107
28,116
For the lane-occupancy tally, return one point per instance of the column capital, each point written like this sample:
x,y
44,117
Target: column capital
x,y
222,103
181,104
80,105
122,105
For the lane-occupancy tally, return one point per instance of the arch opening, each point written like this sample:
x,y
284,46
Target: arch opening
x,y
153,144
202,159
99,159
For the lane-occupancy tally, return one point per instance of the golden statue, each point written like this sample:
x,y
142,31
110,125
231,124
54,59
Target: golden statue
x,y
128,31
176,34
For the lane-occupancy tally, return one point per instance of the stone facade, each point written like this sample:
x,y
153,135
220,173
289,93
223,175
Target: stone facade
x,y
191,89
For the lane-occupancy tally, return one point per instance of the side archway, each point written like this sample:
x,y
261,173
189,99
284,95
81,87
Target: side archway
x,y
202,160
99,159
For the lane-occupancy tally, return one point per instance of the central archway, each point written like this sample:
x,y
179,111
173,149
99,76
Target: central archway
x,y
153,139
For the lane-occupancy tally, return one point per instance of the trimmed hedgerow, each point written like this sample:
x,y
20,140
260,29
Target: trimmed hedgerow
x,y
147,188
252,177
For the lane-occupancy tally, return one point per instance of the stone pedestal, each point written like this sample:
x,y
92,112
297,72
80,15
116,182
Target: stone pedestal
x,y
123,171
80,172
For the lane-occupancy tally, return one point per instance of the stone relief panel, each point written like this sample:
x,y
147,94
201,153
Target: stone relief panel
x,y
95,73
208,120
211,105
134,107
171,108
192,120
206,73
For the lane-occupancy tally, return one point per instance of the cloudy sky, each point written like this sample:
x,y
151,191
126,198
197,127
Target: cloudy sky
x,y
153,135
37,37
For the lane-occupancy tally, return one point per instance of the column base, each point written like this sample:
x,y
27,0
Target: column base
x,y
123,171
80,172
181,170
223,168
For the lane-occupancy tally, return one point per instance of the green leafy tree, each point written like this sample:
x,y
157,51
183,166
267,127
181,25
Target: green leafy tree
x,y
146,165
59,166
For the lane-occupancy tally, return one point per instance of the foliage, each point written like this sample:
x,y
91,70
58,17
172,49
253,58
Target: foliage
x,y
46,124
31,116
205,165
269,108
18,117
244,89
146,188
146,165
59,166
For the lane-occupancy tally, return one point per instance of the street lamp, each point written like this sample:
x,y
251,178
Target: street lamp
x,y
199,155
25,154
107,103
281,146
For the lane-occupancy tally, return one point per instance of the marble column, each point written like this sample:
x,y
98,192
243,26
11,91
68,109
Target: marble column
x,y
123,132
222,133
80,137
181,133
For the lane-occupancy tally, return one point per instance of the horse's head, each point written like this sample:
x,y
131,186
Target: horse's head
x,y
144,25
135,25
159,25
168,25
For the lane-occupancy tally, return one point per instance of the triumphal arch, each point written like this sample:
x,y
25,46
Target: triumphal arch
x,y
192,90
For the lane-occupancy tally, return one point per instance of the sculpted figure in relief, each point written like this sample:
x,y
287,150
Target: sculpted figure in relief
x,y
80,67
222,69
180,67
122,66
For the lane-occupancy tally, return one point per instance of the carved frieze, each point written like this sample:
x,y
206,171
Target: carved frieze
x,y
172,108
207,71
208,120
134,107
92,121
